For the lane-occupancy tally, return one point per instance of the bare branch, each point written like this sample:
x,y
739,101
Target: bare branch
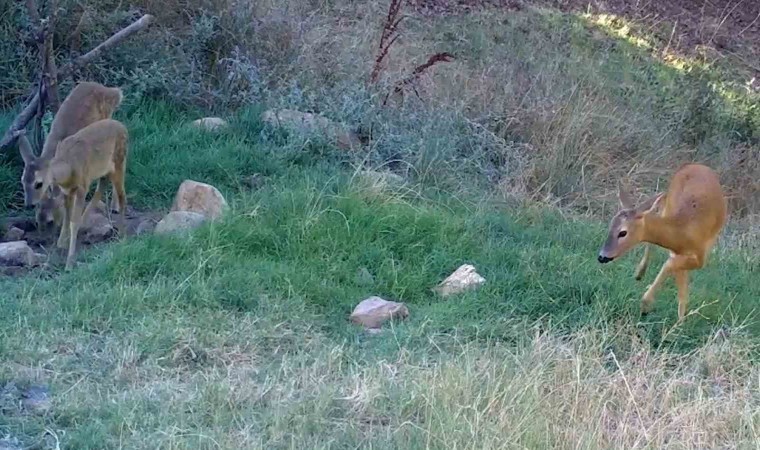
x,y
49,68
388,37
417,73
31,108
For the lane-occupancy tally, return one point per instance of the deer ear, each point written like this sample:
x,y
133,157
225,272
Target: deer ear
x,y
651,204
25,148
626,201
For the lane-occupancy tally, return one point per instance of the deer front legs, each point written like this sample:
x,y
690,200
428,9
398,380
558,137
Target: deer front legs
x,y
74,203
641,269
678,266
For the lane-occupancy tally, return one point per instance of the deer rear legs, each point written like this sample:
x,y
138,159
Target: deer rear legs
x,y
119,194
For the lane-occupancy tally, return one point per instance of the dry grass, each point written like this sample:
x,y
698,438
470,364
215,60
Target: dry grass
x,y
549,392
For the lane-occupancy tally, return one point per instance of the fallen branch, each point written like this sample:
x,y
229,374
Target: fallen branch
x,y
30,110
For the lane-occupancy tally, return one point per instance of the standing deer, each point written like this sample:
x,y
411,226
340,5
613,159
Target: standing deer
x,y
692,215
96,152
87,103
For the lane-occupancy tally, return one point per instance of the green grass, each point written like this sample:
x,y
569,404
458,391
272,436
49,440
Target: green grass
x,y
237,335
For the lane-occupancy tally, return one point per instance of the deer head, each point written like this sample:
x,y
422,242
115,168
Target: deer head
x,y
627,226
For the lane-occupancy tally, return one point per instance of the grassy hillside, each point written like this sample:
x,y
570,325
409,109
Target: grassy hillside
x,y
237,336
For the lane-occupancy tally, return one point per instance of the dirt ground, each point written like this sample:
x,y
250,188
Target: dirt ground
x,y
43,241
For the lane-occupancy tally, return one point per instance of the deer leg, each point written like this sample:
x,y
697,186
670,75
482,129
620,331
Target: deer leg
x,y
681,265
76,219
115,207
63,237
682,281
117,181
647,301
641,269
674,265
96,196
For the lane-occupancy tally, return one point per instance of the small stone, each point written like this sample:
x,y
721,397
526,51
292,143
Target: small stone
x,y
178,221
210,123
463,279
17,253
36,399
201,198
374,311
14,234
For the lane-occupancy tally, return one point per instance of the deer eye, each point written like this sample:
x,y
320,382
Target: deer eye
x,y
38,185
622,234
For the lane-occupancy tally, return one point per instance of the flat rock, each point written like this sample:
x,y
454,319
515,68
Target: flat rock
x,y
463,279
313,124
210,123
202,198
17,253
374,311
178,221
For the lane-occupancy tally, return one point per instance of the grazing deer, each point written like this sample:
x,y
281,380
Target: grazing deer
x,y
96,152
693,212
88,102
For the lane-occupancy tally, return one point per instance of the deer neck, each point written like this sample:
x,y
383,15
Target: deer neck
x,y
663,231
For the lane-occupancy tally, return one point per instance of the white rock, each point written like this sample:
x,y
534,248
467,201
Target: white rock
x,y
312,124
178,221
463,279
210,123
17,253
201,198
374,311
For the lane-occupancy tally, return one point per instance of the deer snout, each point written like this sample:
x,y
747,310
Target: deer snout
x,y
604,259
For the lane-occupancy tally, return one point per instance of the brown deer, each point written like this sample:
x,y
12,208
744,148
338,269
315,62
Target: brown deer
x,y
88,102
693,212
96,152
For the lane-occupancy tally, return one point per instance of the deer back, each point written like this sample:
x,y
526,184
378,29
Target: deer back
x,y
87,103
93,152
695,201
